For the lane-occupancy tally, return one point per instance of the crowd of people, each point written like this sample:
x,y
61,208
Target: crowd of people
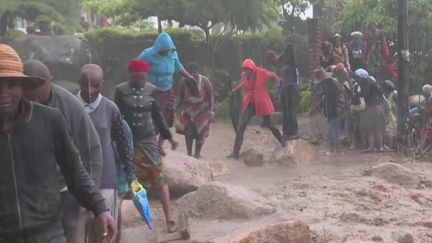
x,y
66,156
62,152
357,83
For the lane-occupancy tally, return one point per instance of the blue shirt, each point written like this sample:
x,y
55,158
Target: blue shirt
x,y
162,67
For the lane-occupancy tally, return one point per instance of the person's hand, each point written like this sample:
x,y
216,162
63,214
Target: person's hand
x,y
212,115
174,144
107,227
135,186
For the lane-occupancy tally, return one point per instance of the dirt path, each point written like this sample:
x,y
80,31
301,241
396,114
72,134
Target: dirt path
x,y
333,197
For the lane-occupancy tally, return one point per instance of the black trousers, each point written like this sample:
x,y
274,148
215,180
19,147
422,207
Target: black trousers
x,y
244,121
290,100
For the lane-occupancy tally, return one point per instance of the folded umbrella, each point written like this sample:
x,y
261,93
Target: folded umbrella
x,y
139,198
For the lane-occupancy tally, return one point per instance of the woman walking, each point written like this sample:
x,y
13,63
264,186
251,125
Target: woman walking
x,y
194,112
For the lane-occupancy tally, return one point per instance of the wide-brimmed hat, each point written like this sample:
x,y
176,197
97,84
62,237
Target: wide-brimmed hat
x,y
12,67
321,75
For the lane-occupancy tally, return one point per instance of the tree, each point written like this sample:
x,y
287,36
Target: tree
x,y
233,16
59,11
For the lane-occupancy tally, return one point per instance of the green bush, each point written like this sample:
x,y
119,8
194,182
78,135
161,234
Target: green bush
x,y
305,100
222,111
114,34
11,34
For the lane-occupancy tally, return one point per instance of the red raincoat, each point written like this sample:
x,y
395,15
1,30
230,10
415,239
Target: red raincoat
x,y
256,91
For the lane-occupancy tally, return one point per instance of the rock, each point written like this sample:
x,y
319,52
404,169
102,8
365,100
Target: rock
x,y
377,238
394,173
218,168
223,201
64,55
295,153
185,174
252,157
407,238
287,232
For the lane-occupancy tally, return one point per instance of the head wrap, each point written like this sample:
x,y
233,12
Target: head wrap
x,y
138,66
356,34
340,67
427,88
361,73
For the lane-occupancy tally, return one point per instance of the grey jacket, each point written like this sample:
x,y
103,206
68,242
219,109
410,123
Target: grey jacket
x,y
30,152
81,129
140,111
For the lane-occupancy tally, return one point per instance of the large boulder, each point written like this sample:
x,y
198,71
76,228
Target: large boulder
x,y
296,152
394,173
185,174
252,157
64,55
223,201
287,232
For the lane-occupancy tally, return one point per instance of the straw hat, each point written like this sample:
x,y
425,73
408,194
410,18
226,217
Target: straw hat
x,y
321,75
12,67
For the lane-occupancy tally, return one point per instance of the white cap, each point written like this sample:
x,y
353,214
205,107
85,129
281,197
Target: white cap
x,y
361,73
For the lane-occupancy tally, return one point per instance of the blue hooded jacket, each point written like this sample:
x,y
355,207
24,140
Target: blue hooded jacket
x,y
162,68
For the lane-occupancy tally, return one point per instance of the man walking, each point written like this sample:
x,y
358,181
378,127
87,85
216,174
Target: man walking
x,y
34,140
107,120
83,133
288,89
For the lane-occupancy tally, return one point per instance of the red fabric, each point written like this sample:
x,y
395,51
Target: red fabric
x,y
391,69
256,91
138,66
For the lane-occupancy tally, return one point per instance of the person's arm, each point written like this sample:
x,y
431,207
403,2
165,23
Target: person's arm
x,y
242,83
271,76
78,180
123,147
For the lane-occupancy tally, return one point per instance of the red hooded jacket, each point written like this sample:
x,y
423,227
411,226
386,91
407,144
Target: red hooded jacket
x,y
255,88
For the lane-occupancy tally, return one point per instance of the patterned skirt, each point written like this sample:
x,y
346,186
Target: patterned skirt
x,y
148,174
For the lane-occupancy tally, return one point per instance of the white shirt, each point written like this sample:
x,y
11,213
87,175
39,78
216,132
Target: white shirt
x,y
90,107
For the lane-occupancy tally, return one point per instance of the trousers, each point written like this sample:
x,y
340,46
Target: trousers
x,y
244,121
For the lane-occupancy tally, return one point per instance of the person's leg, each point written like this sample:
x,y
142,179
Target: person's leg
x,y
274,130
198,147
164,197
337,135
332,135
189,138
244,120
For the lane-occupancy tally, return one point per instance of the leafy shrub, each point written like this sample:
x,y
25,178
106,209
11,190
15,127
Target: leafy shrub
x,y
11,34
305,100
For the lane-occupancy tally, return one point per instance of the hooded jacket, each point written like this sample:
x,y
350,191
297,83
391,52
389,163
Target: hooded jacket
x,y
255,88
162,68
29,187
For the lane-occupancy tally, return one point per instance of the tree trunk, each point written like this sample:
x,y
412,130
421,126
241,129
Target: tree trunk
x,y
403,82
160,29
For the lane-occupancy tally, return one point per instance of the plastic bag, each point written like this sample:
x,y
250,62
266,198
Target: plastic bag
x,y
139,198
